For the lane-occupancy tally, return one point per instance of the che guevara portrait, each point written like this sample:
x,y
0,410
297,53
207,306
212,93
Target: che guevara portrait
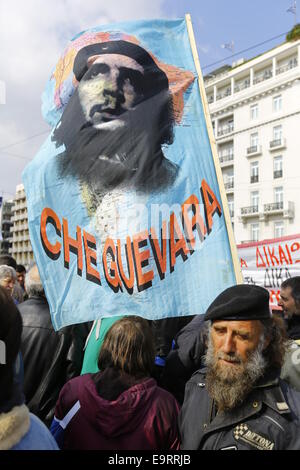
x,y
117,122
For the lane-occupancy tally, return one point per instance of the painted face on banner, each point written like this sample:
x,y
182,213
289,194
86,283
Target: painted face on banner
x,y
116,122
112,86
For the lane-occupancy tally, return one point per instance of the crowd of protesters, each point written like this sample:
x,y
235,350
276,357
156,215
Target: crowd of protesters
x,y
225,379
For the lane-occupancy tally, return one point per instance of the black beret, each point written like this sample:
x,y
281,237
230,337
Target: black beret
x,y
129,49
241,302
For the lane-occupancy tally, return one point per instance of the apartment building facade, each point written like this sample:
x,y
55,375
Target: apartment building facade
x,y
6,224
255,112
21,248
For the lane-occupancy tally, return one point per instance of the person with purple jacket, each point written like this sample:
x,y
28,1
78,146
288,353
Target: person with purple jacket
x,y
121,407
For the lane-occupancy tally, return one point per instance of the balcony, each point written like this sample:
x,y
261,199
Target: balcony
x,y
229,186
290,65
226,159
263,76
224,94
225,130
277,144
242,86
286,209
247,212
273,207
254,150
277,174
254,179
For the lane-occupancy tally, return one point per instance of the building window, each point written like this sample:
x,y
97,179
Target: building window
x,y
278,197
277,103
278,171
231,207
255,199
277,133
278,229
254,172
254,139
254,111
254,232
278,194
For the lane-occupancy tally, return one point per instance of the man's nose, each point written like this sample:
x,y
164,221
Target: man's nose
x,y
228,345
113,87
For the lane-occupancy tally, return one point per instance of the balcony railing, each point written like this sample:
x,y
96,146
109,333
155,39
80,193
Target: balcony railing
x,y
254,149
284,68
249,210
262,77
226,93
229,185
276,143
242,86
227,157
273,206
254,178
226,130
278,174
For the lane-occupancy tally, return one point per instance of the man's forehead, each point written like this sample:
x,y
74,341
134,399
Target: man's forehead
x,y
238,325
115,60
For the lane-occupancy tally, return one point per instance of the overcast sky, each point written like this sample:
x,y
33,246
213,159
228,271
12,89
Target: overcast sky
x,y
33,33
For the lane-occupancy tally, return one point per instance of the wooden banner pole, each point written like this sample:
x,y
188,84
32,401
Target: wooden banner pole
x,y
234,254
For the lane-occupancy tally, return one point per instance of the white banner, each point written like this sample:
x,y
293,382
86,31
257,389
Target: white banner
x,y
269,262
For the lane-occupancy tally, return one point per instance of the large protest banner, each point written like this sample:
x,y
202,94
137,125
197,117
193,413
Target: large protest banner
x,y
126,203
270,262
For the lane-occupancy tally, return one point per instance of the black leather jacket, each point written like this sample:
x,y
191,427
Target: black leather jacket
x,y
268,419
293,327
50,358
185,357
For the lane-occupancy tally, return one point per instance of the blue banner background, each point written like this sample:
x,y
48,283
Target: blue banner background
x,y
193,284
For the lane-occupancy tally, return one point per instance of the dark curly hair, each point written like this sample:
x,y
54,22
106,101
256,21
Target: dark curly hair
x,y
274,330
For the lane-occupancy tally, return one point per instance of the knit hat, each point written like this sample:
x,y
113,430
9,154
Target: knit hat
x,y
241,302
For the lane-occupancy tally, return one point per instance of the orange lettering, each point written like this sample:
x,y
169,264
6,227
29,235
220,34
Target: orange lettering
x,y
110,271
178,247
211,204
70,244
128,281
160,253
90,257
48,216
190,224
141,259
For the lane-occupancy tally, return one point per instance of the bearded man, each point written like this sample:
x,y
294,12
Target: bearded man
x,y
116,122
290,303
238,402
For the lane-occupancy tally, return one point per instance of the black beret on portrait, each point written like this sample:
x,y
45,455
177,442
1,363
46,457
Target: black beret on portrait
x,y
154,76
241,302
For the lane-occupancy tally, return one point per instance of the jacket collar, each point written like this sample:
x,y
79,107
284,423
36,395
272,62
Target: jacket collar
x,y
267,391
13,426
